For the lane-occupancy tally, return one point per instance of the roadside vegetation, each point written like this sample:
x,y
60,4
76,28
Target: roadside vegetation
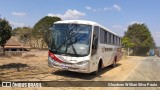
x,y
5,32
138,38
36,37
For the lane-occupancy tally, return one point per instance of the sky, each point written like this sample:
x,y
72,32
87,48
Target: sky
x,y
115,15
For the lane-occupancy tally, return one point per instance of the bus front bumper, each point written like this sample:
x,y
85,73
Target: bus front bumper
x,y
82,68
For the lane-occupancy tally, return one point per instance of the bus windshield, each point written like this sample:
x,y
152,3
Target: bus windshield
x,y
70,39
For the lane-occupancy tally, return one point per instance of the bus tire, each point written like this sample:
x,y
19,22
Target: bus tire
x,y
99,68
114,62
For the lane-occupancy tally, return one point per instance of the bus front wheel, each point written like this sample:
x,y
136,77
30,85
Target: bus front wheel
x,y
99,68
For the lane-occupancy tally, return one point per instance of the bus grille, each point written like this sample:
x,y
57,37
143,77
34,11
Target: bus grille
x,y
66,63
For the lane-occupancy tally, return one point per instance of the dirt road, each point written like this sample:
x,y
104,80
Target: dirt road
x,y
35,68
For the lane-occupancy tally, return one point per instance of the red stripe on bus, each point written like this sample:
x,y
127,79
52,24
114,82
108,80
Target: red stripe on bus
x,y
54,57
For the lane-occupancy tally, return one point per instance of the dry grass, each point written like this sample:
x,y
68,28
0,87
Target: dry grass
x,y
22,67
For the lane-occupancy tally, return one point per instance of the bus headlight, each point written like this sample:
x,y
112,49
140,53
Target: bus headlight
x,y
82,62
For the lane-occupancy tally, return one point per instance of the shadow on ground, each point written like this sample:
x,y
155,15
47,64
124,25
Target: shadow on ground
x,y
13,65
83,76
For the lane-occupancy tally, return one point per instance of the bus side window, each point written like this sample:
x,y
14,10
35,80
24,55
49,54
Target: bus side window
x,y
95,40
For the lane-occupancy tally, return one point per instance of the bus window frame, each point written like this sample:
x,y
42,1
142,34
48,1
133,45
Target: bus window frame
x,y
93,52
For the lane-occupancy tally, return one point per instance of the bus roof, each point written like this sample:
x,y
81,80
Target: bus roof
x,y
84,22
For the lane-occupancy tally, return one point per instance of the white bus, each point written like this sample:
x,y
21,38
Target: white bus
x,y
83,46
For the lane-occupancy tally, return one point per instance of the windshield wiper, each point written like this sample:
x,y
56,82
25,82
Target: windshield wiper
x,y
65,42
71,44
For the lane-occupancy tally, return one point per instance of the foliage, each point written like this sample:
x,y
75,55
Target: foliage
x,y
5,32
42,27
24,33
127,42
139,38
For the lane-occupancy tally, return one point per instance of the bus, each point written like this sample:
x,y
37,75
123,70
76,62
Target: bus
x,y
82,46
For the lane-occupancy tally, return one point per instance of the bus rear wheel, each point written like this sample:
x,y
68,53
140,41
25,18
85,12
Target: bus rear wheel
x,y
114,62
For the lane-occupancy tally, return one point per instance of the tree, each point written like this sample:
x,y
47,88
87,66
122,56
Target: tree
x,y
140,38
42,28
5,32
126,42
23,33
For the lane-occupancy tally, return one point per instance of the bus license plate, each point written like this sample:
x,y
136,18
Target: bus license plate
x,y
64,67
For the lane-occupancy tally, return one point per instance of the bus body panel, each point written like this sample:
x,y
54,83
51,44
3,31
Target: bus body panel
x,y
106,53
